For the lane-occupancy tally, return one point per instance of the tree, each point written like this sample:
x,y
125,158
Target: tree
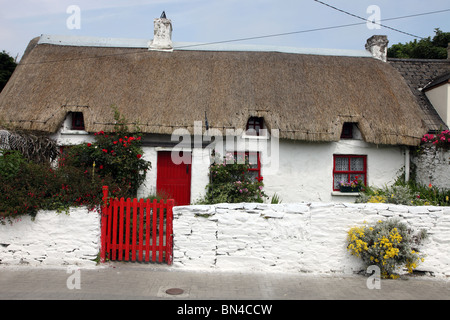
x,y
7,66
426,48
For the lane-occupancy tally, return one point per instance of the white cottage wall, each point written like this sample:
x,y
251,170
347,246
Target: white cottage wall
x,y
305,170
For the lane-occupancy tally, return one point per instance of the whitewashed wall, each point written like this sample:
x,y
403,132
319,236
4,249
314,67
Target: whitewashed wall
x,y
302,237
306,169
433,166
52,239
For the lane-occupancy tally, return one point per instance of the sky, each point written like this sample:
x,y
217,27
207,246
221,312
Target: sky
x,y
208,21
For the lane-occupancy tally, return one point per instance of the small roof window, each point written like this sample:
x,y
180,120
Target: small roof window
x,y
254,125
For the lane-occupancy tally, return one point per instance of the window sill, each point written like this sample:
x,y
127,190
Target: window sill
x,y
77,132
344,194
254,137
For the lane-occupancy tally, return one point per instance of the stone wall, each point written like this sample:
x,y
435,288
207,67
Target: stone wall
x,y
305,237
52,239
433,166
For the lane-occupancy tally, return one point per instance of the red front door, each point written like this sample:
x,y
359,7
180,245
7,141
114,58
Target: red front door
x,y
173,179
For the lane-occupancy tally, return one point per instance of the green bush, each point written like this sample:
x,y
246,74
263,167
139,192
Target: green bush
x,y
232,183
42,187
117,154
389,244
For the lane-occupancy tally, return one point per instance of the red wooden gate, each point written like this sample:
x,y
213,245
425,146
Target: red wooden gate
x,y
136,230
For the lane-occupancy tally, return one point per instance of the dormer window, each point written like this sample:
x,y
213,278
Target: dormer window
x,y
77,121
347,131
254,125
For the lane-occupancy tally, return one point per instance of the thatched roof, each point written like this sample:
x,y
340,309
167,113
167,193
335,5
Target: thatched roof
x,y
305,96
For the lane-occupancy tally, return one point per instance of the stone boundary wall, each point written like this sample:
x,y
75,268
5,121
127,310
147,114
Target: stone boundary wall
x,y
52,239
433,166
303,237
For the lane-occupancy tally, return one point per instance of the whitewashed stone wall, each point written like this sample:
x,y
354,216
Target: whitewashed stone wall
x,y
305,237
433,166
52,239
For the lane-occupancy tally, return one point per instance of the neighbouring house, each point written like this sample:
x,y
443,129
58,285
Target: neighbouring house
x,y
429,80
307,118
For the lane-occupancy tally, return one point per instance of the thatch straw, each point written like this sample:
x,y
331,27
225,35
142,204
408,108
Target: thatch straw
x,y
306,97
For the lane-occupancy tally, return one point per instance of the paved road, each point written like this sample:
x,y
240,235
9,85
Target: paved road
x,y
136,281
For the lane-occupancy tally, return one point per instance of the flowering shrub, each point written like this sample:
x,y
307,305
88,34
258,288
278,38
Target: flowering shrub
x,y
355,183
389,244
231,182
117,154
36,187
411,194
440,140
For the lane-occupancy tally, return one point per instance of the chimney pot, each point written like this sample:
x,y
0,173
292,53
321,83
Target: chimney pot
x,y
377,45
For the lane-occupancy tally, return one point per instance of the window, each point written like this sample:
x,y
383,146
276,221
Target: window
x,y
347,131
347,167
254,125
77,121
255,163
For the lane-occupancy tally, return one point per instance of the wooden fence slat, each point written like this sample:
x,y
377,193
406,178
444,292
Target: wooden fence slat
x,y
133,245
121,213
114,234
147,230
127,233
104,221
169,231
109,230
161,230
141,227
154,216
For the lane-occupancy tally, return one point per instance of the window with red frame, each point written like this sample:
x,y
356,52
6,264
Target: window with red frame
x,y
347,167
77,121
255,163
254,125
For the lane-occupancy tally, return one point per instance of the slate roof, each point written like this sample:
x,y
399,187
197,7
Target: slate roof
x,y
420,73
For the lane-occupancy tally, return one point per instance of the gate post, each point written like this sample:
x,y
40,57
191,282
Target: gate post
x,y
169,232
104,215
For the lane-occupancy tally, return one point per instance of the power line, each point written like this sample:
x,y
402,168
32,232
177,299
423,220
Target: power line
x,y
359,17
312,30
258,37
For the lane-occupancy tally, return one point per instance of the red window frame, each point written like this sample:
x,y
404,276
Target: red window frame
x,y
77,121
349,171
257,169
254,125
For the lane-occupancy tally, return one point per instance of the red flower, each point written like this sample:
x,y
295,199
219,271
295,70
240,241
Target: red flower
x,y
139,156
115,142
105,151
89,144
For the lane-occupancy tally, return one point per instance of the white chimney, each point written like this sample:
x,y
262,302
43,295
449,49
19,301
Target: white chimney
x,y
377,46
162,39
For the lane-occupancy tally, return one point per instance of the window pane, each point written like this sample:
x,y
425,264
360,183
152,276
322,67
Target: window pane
x,y
338,177
360,177
253,174
253,160
240,158
357,164
341,163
